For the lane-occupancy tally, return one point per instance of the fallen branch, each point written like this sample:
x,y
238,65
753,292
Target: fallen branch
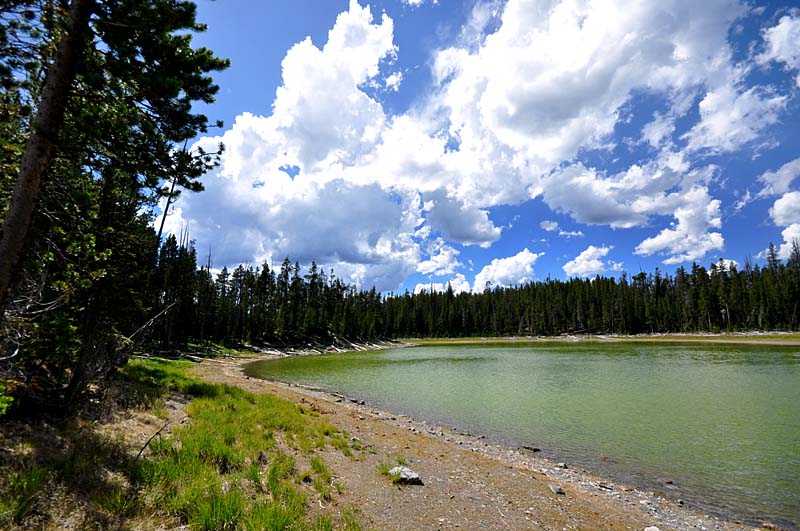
x,y
150,439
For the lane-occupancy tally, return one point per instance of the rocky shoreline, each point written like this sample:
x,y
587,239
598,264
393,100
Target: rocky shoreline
x,y
646,508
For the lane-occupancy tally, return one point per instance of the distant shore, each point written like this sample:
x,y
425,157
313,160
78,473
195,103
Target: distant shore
x,y
735,338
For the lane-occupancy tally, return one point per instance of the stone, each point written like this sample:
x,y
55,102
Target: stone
x,y
406,476
556,489
562,465
651,528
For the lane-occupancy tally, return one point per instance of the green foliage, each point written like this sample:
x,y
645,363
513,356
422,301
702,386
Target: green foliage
x,y
5,400
90,277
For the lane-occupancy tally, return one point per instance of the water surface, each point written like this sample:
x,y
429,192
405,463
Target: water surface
x,y
721,422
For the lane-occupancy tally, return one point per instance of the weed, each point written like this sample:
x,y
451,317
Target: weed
x,y
384,468
24,487
350,521
219,511
118,502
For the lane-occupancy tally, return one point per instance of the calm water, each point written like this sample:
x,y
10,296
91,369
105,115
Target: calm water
x,y
722,422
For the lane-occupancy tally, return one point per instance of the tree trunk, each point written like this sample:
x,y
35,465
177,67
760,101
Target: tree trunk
x,y
39,146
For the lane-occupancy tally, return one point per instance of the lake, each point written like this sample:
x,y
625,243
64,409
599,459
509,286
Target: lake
x,y
721,422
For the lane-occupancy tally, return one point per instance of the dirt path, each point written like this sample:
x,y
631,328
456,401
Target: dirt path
x,y
468,485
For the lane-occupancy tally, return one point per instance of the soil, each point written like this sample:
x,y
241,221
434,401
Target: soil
x,y
468,484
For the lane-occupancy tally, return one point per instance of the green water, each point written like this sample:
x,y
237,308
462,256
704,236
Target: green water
x,y
722,422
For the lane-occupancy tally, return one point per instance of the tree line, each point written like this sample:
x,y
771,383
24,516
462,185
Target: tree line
x,y
287,306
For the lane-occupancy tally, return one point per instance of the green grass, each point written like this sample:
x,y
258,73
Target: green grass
x,y
211,473
22,489
231,467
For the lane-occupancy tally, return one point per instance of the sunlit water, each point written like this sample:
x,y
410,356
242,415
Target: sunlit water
x,y
723,423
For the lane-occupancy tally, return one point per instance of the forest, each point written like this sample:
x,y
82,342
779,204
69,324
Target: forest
x,y
288,306
95,125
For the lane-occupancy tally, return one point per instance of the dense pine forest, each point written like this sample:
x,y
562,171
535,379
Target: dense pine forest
x,y
94,128
287,305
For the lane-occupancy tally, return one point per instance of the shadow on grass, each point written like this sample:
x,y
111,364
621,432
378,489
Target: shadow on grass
x,y
222,471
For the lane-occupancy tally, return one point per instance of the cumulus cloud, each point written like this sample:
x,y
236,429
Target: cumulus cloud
x,y
528,89
504,272
589,262
791,236
778,182
781,43
786,210
443,259
690,238
459,221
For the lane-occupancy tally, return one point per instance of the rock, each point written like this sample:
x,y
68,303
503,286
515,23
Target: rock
x,y
406,476
651,528
562,465
556,489
532,449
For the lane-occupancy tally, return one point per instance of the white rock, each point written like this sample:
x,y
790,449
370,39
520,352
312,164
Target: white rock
x,y
406,475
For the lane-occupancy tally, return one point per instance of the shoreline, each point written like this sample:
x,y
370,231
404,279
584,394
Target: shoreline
x,y
643,505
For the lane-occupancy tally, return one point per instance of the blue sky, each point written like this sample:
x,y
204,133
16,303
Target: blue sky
x,y
415,143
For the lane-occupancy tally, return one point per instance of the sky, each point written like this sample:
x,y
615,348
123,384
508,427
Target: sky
x,y
408,144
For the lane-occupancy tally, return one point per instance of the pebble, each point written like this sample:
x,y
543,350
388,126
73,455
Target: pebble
x,y
651,528
556,489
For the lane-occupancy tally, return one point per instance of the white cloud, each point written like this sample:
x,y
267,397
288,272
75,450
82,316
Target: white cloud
x,y
781,42
320,113
730,118
553,78
786,210
570,233
416,3
507,120
549,226
658,130
589,262
459,284
459,221
393,80
791,235
504,272
727,264
443,259
689,239
777,182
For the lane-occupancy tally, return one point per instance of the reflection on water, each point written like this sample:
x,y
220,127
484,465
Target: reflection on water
x,y
722,422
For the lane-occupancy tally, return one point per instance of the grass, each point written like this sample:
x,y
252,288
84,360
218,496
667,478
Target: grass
x,y
22,489
231,467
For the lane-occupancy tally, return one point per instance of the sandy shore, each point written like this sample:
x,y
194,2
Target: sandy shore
x,y
469,483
